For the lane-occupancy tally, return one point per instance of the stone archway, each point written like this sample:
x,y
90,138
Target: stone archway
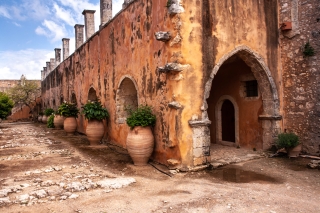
x,y
127,96
270,117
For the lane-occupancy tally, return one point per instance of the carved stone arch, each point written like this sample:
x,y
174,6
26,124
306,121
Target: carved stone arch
x,y
92,94
261,72
127,95
270,117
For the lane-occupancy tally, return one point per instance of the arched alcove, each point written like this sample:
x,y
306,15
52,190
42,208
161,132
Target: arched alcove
x,y
127,96
73,99
92,95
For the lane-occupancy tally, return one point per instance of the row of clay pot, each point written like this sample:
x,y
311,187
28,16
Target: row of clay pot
x,y
140,140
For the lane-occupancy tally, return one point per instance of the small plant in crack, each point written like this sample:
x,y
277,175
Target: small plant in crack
x,y
308,50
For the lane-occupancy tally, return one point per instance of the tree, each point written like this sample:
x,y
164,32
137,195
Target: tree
x,y
24,94
5,105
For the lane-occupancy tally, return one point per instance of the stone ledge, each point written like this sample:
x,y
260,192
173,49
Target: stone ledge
x,y
198,123
270,117
175,67
163,36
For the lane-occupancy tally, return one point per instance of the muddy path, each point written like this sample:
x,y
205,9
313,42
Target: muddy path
x,y
43,170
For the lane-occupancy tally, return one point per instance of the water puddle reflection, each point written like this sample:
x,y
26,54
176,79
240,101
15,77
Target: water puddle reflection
x,y
238,175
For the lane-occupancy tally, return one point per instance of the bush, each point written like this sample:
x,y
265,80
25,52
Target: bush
x,y
94,110
48,112
68,110
50,123
287,140
6,104
142,116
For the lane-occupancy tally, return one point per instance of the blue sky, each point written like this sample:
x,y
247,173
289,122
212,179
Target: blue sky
x,y
30,30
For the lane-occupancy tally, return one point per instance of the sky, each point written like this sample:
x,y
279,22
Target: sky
x,y
30,30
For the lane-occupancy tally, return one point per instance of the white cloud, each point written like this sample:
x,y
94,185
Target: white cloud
x,y
36,9
28,62
52,30
18,25
40,31
64,14
4,12
116,6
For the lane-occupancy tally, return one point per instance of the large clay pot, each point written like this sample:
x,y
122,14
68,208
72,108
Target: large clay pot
x,y
58,121
95,131
40,118
44,119
70,125
294,152
140,143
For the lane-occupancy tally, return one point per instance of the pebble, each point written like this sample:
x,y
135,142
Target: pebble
x,y
73,196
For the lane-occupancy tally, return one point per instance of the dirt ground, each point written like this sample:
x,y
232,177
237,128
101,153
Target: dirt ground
x,y
43,170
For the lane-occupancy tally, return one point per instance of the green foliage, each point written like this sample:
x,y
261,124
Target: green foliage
x,y
68,110
48,111
95,110
24,93
308,50
142,116
5,105
169,2
287,140
50,123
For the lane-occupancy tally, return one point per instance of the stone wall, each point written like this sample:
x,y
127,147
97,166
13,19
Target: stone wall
x,y
301,75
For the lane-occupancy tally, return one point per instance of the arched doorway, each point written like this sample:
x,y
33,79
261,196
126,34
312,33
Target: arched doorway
x,y
127,97
243,75
228,122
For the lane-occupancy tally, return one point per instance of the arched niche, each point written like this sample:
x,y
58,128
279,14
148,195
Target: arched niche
x,y
73,98
92,95
127,96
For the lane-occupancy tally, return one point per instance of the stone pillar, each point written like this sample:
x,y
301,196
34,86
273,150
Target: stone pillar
x,y
44,72
125,3
42,75
89,22
79,35
105,11
52,63
65,48
48,68
57,56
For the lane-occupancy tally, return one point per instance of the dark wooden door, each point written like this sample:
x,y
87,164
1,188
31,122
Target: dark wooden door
x,y
228,121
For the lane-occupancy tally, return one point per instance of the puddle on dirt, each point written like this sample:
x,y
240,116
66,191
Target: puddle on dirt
x,y
238,175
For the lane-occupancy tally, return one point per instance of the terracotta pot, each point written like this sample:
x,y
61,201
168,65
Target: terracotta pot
x,y
140,143
95,131
44,119
294,152
58,121
70,125
40,118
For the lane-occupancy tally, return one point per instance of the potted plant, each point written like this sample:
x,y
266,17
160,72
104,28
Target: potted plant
x,y
50,123
289,141
47,113
140,140
58,120
70,112
95,113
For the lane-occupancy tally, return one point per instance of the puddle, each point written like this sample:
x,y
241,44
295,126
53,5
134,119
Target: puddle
x,y
238,175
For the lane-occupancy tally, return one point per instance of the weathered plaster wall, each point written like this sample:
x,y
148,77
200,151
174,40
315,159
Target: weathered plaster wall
x,y
301,74
126,46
